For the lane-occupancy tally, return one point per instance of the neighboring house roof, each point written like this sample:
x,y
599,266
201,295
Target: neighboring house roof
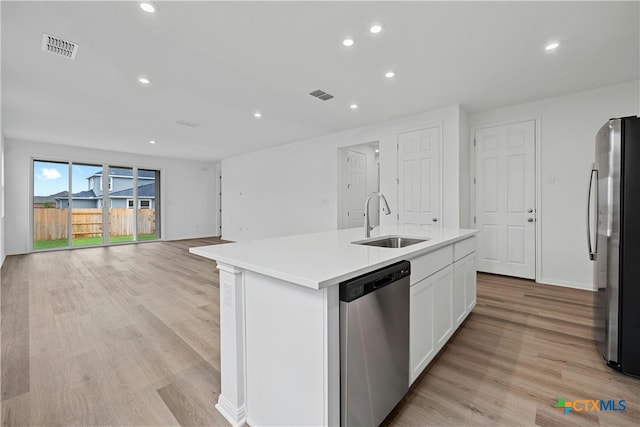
x,y
146,191
127,172
49,198
81,195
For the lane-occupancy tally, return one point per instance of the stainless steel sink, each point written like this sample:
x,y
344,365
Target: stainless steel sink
x,y
390,241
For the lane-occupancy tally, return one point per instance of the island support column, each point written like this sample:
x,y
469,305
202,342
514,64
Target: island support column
x,y
232,400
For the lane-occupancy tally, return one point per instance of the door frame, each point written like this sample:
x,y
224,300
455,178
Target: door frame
x,y
537,180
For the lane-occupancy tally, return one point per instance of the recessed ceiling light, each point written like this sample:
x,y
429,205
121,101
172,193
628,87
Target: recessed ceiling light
x,y
389,74
348,42
353,106
144,80
148,7
257,114
375,29
152,142
552,46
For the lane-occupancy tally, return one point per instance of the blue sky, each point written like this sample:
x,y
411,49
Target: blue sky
x,y
50,178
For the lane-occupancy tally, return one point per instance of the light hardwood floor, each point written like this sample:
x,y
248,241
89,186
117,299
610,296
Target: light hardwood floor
x,y
129,335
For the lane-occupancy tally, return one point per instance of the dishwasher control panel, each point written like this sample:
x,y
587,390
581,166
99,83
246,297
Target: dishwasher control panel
x,y
357,287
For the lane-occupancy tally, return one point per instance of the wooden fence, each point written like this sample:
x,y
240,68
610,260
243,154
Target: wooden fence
x,y
52,224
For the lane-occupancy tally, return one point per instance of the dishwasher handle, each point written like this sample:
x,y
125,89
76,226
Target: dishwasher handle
x,y
383,281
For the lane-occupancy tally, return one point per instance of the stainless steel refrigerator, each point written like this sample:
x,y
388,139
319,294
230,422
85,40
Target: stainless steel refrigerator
x,y
613,234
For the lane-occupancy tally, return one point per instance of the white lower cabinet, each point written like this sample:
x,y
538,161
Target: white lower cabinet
x,y
443,306
421,342
429,318
440,300
464,287
470,272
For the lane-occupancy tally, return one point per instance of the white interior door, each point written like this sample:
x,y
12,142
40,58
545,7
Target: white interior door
x,y
505,199
419,202
355,188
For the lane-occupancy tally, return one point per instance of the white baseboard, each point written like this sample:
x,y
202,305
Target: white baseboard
x,y
236,416
566,284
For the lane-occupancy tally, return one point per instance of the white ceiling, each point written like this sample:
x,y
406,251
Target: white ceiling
x,y
216,63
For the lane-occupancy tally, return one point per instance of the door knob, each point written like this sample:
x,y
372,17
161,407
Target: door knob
x,y
529,219
435,220
529,210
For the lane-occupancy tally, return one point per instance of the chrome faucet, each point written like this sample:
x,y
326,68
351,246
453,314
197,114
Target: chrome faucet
x,y
385,209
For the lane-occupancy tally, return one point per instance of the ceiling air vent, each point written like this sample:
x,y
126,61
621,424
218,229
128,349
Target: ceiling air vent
x,y
188,123
321,95
59,47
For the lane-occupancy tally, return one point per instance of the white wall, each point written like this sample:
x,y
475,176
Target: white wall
x,y
2,239
465,171
188,199
292,188
567,127
218,194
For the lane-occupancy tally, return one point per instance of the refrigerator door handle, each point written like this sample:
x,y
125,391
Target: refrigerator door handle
x,y
593,250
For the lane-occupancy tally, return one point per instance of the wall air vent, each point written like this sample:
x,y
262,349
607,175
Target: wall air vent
x,y
59,47
320,94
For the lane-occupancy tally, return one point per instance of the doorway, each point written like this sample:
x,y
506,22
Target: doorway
x,y
358,176
505,199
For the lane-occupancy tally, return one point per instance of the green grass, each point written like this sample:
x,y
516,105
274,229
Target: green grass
x,y
84,241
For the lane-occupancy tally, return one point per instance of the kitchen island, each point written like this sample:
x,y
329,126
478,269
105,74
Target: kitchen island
x,y
279,315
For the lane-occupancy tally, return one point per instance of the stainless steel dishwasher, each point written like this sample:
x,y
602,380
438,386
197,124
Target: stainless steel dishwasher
x,y
374,344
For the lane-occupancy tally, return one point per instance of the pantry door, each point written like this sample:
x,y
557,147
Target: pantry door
x,y
505,199
419,182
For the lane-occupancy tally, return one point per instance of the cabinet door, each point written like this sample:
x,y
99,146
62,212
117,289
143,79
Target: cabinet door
x,y
459,290
421,343
470,273
443,305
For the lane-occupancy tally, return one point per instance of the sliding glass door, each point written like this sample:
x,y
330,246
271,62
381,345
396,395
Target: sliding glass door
x,y
122,187
148,219
86,205
50,213
76,204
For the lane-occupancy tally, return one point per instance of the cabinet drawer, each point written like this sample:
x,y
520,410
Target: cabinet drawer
x,y
464,248
427,264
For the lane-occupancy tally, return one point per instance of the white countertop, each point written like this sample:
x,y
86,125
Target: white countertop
x,y
318,260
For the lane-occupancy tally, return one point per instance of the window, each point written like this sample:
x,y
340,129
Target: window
x,y
142,204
